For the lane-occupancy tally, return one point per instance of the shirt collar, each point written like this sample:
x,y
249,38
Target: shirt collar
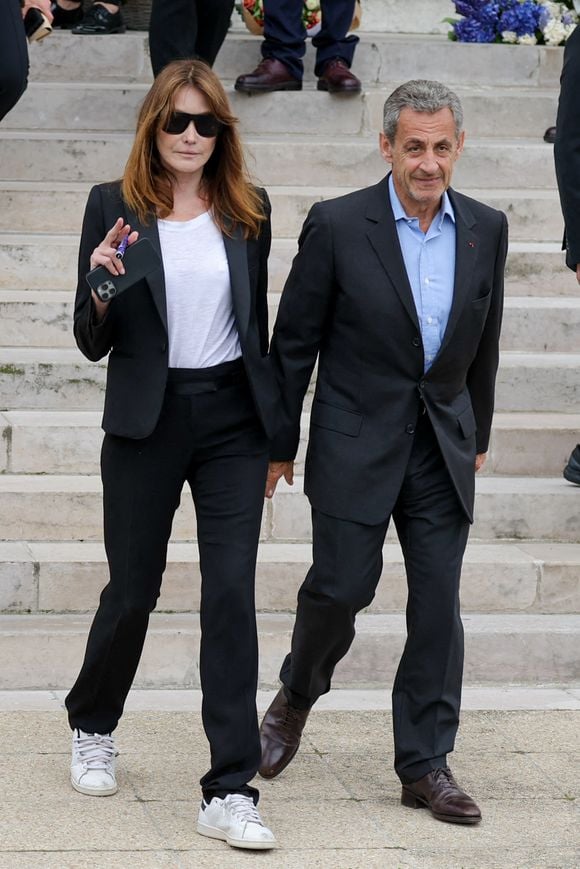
x,y
399,212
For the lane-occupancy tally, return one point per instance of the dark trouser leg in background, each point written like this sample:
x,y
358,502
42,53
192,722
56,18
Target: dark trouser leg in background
x,y
181,29
433,531
13,57
332,40
284,34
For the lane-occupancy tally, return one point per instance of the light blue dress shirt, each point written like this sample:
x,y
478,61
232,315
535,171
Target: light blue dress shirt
x,y
430,263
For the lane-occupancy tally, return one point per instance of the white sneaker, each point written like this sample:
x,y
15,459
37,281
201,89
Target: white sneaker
x,y
236,820
92,768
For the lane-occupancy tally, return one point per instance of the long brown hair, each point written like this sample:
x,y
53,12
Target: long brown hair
x,y
147,185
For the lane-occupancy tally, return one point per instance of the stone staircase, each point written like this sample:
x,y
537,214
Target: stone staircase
x,y
521,586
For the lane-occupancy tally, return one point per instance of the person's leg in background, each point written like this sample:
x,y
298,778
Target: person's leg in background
x,y
182,29
283,48
13,57
334,49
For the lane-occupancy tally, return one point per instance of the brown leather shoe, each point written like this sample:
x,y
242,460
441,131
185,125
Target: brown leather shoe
x,y
439,792
269,75
280,734
338,79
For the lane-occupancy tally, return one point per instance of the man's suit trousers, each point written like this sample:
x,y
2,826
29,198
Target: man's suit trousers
x,y
215,442
347,564
284,34
183,29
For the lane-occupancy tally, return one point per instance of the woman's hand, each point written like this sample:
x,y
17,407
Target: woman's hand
x,y
43,5
104,255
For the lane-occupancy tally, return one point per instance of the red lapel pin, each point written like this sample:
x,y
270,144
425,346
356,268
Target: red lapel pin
x,y
471,244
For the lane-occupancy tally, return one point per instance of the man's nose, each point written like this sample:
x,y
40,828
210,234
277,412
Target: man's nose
x,y
429,162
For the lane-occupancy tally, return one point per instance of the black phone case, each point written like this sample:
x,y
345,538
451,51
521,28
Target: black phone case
x,y
140,259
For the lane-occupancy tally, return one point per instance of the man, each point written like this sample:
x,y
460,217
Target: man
x,y
398,290
567,157
284,46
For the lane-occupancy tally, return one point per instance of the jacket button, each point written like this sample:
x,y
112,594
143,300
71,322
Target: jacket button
x,y
416,342
410,429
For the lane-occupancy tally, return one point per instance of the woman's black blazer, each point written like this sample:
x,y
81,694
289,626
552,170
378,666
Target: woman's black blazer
x,y
134,330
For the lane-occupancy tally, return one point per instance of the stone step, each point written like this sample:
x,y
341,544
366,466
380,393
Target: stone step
x,y
519,112
69,442
44,319
331,161
26,204
497,577
34,261
380,57
45,652
68,507
62,379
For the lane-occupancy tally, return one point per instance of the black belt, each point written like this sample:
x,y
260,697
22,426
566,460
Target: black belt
x,y
196,381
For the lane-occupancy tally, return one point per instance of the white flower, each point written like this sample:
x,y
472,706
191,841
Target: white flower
x,y
311,5
509,36
554,32
527,39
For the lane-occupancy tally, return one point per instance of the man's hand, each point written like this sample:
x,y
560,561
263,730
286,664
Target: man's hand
x,y
43,5
480,461
275,471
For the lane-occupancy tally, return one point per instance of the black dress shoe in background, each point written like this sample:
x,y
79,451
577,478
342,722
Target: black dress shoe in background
x,y
65,18
269,75
99,20
550,135
337,78
439,792
572,470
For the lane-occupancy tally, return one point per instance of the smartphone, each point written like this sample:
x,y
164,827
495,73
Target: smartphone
x,y
140,259
36,25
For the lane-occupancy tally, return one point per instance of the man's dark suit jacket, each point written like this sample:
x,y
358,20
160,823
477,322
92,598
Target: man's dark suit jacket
x,y
567,148
134,329
348,300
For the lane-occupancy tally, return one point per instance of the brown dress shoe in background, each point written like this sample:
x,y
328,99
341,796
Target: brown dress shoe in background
x,y
269,75
337,78
280,734
439,792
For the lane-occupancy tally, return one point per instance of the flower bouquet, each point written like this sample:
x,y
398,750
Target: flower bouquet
x,y
525,22
252,12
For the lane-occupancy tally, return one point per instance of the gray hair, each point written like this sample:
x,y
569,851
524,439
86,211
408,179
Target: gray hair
x,y
421,95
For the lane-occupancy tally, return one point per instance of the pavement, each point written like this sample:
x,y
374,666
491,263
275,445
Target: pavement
x,y
336,807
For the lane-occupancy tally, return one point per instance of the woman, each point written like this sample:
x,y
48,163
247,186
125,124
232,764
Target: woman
x,y
190,397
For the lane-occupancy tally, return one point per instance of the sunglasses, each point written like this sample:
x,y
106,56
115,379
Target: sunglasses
x,y
206,125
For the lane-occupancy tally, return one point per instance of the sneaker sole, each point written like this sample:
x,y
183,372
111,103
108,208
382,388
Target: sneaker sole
x,y
104,792
216,833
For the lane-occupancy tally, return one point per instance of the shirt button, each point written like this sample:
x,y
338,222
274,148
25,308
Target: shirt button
x,y
416,342
427,281
410,429
429,320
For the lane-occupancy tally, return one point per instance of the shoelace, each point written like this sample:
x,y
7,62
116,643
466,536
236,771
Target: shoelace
x,y
443,774
244,809
95,751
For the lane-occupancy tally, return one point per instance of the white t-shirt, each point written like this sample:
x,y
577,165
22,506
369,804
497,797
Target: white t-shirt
x,y
200,315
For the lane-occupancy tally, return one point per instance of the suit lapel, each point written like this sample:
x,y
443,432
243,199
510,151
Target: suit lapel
x,y
466,250
384,239
237,256
155,279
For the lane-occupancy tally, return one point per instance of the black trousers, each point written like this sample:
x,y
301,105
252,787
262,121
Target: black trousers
x,y
347,564
284,34
215,441
13,57
181,29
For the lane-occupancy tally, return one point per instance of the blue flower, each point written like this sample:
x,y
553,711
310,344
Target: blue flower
x,y
521,18
470,30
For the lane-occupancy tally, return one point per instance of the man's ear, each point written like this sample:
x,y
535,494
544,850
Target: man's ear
x,y
460,143
386,148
